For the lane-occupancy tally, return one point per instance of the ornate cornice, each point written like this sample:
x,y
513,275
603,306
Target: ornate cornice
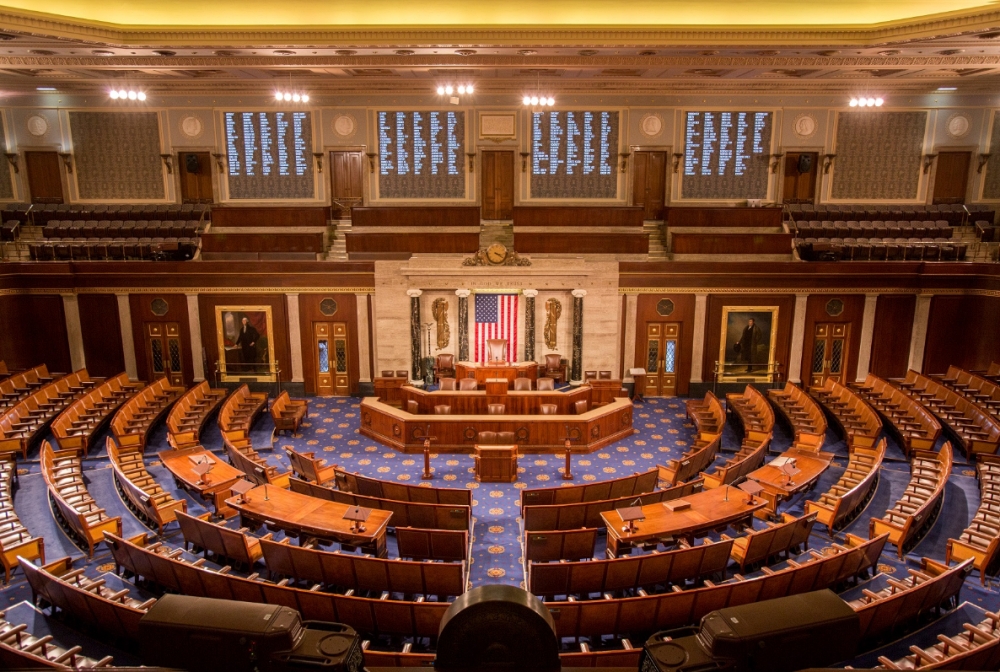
x,y
186,290
923,291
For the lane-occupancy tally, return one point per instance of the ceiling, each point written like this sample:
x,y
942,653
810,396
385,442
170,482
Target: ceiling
x,y
246,46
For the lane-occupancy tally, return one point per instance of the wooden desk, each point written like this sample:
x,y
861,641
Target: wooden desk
x,y
215,485
483,372
604,391
387,389
709,510
639,383
496,464
305,516
778,486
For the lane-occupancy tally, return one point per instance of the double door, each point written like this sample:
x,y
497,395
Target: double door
x,y
830,350
346,182
163,352
331,358
44,177
662,352
498,185
649,183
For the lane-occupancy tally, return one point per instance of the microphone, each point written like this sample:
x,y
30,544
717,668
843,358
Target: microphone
x,y
637,502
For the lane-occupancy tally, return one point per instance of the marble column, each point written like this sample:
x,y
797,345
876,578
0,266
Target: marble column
x,y
867,336
918,337
576,375
74,331
463,324
365,371
194,328
295,338
414,295
798,339
128,343
698,345
631,311
529,324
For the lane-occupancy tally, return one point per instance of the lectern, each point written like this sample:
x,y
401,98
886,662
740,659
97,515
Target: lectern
x,y
496,464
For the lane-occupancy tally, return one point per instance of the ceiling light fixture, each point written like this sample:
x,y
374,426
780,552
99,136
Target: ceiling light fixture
x,y
127,94
863,101
286,96
947,88
450,90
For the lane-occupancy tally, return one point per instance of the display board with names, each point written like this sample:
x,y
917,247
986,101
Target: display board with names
x,y
269,155
574,154
726,155
421,154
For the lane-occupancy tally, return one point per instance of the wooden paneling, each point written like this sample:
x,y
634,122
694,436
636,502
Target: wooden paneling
x,y
207,304
963,331
102,334
683,314
649,183
140,306
347,312
44,177
195,172
346,182
731,243
305,245
891,338
724,217
498,184
800,187
713,329
816,311
581,242
578,216
34,332
262,216
951,177
366,245
416,216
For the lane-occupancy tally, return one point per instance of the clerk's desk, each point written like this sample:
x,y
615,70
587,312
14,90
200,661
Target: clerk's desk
x,y
506,370
709,510
305,516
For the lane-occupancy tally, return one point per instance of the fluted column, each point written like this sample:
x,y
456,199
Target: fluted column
x,y
463,324
529,324
577,362
414,295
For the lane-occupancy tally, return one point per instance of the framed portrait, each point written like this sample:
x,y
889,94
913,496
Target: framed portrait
x,y
246,345
746,349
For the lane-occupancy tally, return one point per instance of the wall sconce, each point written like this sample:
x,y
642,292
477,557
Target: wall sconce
x,y
828,162
218,162
319,160
168,162
677,162
983,158
524,161
472,161
776,161
624,157
928,160
371,160
67,158
12,160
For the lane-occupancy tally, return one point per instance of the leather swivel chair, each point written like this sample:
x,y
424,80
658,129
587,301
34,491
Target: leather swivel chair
x,y
496,409
444,409
444,366
554,368
487,438
548,409
580,407
496,350
448,384
543,384
412,407
604,375
468,385
505,439
590,375
522,384
387,374
402,374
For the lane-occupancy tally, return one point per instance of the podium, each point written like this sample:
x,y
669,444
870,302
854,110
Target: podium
x,y
496,464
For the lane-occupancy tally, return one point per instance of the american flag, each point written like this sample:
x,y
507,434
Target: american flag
x,y
496,317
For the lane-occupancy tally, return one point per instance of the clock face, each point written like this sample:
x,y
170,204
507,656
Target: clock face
x,y
496,253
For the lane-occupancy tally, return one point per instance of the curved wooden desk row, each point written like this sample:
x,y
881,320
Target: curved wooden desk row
x,y
977,430
477,402
15,539
189,414
401,492
18,385
137,416
626,486
533,433
77,426
803,414
585,618
974,387
981,539
845,499
859,421
916,427
28,419
975,646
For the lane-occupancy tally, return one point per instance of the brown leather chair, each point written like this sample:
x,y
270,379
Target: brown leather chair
x,y
468,385
548,409
412,407
580,407
487,438
505,439
387,374
445,409
496,409
522,384
496,349
604,375
554,367
543,384
402,374
444,366
449,384
590,375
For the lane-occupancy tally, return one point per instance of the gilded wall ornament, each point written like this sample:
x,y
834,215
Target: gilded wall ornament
x,y
440,311
496,254
553,309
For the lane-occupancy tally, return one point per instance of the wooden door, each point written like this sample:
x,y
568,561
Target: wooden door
x,y
44,177
346,182
195,170
830,350
497,183
951,177
331,355
163,352
662,352
800,185
649,183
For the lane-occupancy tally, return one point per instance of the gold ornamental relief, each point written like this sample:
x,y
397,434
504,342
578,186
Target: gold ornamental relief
x,y
440,311
553,309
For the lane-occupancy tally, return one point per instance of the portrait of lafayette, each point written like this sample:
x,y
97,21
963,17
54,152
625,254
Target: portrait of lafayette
x,y
748,340
246,349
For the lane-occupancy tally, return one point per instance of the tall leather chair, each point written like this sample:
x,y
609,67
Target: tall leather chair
x,y
402,374
449,384
554,367
487,438
496,409
505,438
387,374
604,375
543,384
412,407
444,366
468,385
445,409
548,409
522,384
496,350
590,375
580,407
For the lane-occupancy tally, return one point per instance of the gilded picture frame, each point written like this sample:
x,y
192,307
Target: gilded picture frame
x,y
747,343
246,352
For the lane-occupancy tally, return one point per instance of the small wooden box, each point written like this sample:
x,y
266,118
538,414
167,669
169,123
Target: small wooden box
x,y
677,505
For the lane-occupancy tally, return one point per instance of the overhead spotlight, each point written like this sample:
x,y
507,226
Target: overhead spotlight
x,y
123,94
461,89
278,96
854,102
305,97
526,101
296,97
440,90
879,102
288,96
449,90
534,100
552,101
114,94
132,95
468,89
871,102
141,95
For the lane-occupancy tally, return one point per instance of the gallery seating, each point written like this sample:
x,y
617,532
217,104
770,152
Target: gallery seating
x,y
917,508
187,417
803,414
916,427
981,538
26,421
975,647
224,543
41,214
848,496
71,501
953,214
21,649
240,410
243,456
423,544
759,546
77,426
142,492
120,248
15,539
311,468
553,545
860,422
137,416
288,414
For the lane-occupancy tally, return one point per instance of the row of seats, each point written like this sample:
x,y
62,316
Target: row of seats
x,y
143,493
20,649
980,540
977,430
240,410
189,414
520,384
288,414
118,228
114,249
631,485
42,214
916,427
873,249
15,539
860,422
310,468
846,498
869,229
954,214
18,385
243,456
803,414
757,418
709,418
402,492
781,538
137,416
32,415
976,647
76,426
976,388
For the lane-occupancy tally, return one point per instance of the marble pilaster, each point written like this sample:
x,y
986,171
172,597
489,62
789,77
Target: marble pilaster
x,y
576,375
194,327
463,324
128,344
631,310
529,323
295,337
74,331
798,338
918,337
414,295
698,347
867,336
364,369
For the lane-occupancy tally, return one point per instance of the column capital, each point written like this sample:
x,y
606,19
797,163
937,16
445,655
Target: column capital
x,y
414,293
291,293
530,293
462,293
579,293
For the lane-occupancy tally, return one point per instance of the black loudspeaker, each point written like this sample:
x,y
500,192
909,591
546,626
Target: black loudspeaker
x,y
805,163
782,635
193,165
203,634
497,628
